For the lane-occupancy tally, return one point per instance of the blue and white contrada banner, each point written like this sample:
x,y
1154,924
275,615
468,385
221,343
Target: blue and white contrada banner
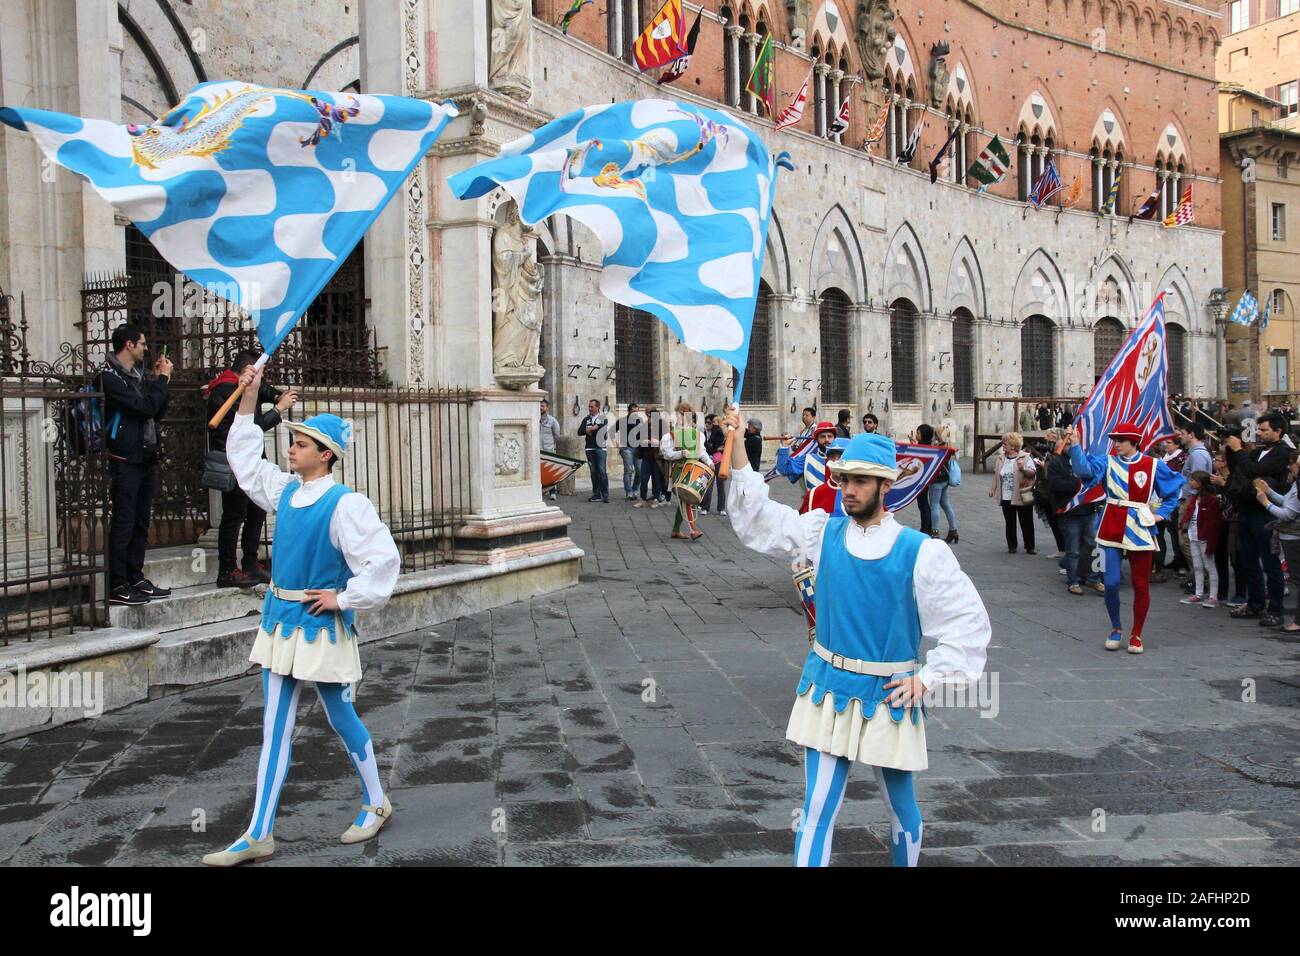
x,y
679,195
258,194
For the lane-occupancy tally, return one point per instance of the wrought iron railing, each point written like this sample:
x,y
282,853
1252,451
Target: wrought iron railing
x,y
410,452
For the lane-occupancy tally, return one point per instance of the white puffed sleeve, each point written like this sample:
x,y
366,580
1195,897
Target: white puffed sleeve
x,y
371,553
951,613
262,481
767,526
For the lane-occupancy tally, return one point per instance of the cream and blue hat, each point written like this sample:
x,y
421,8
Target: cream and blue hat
x,y
331,431
870,454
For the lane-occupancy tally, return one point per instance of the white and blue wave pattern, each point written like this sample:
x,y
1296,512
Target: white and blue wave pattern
x,y
680,197
257,194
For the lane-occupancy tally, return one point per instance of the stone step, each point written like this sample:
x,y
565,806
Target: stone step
x,y
206,652
175,567
188,607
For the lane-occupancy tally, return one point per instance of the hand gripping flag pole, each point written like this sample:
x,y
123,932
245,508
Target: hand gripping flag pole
x,y
680,197
255,193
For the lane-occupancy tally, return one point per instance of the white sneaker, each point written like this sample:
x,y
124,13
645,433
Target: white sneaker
x,y
639,504
722,514
704,511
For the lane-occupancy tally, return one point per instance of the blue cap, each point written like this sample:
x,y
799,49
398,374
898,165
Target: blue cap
x,y
869,453
330,430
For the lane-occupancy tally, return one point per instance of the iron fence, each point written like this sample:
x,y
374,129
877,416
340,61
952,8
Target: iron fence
x,y
410,453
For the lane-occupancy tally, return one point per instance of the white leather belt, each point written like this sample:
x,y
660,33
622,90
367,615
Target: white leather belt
x,y
287,594
1144,515
870,668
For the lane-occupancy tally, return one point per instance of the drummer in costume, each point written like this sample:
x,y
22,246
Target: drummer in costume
x,y
683,444
808,466
881,588
332,557
1140,491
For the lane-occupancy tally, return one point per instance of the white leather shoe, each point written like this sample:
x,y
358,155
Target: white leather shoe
x,y
256,850
356,834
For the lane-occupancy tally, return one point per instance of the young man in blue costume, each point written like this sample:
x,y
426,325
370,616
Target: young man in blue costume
x,y
1140,490
331,557
809,465
880,589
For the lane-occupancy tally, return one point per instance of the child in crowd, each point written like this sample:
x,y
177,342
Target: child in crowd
x,y
1202,520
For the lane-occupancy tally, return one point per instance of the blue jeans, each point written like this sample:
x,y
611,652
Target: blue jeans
x,y
1080,534
599,478
1258,562
937,496
629,470
649,477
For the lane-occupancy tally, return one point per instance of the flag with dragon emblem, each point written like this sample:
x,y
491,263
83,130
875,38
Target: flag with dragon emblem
x,y
1134,388
257,194
680,197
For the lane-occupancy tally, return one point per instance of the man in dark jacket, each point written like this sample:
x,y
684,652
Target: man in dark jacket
x,y
1078,526
754,442
236,509
133,406
1269,459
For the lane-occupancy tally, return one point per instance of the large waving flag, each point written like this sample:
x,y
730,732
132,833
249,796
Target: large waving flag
x,y
1133,389
257,194
1048,185
680,197
918,464
792,114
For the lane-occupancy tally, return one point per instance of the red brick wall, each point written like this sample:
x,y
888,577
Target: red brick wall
x,y
1163,53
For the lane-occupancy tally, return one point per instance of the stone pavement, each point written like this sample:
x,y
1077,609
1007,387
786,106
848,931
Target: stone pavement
x,y
639,718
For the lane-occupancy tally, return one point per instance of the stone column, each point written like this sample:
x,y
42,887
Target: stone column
x,y
751,102
735,33
837,81
820,71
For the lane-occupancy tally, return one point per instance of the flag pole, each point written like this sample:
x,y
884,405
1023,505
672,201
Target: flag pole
x,y
779,161
224,410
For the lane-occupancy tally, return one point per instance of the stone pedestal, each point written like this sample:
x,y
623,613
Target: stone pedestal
x,y
436,312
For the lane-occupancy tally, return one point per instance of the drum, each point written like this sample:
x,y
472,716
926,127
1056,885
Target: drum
x,y
691,480
556,467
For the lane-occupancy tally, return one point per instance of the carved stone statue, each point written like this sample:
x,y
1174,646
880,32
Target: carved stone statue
x,y
799,14
873,32
939,74
511,65
517,288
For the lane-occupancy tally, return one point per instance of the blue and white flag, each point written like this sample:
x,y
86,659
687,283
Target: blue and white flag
x,y
257,194
680,197
1247,309
1268,307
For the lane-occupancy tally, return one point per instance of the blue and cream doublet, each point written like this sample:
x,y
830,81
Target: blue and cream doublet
x,y
867,611
291,640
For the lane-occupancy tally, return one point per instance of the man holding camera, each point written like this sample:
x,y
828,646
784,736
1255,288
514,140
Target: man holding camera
x,y
133,406
1268,459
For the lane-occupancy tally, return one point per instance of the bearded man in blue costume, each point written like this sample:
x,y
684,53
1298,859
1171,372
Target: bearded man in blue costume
x,y
880,589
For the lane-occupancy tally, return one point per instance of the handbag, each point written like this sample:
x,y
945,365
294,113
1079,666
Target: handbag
x,y
216,474
954,473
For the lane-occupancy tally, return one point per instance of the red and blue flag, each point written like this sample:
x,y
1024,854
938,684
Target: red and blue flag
x,y
1134,389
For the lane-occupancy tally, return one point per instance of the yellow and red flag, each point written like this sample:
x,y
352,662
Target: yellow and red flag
x,y
663,40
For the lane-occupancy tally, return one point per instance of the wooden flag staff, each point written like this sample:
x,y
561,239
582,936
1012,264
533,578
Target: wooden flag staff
x,y
224,410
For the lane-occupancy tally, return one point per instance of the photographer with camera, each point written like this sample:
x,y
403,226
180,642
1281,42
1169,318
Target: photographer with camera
x,y
1269,460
